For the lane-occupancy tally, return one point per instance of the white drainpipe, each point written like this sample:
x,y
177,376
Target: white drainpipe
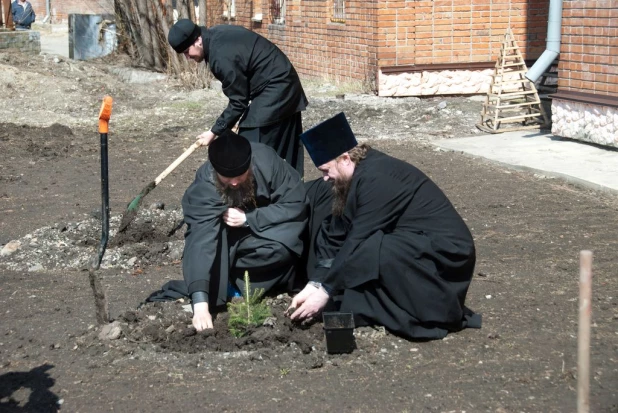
x,y
46,11
554,28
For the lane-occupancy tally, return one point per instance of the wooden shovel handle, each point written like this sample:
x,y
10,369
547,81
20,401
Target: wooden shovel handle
x,y
176,162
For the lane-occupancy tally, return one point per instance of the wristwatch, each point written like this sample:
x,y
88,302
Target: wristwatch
x,y
315,284
320,286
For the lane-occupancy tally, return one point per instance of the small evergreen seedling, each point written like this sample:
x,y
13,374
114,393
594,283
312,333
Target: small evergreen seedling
x,y
250,312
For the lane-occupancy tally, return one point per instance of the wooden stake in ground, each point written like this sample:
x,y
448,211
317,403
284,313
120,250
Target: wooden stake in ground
x,y
583,336
100,299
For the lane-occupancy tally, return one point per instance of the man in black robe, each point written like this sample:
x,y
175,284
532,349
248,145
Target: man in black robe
x,y
263,87
389,247
246,211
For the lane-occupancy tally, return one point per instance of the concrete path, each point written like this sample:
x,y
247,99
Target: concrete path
x,y
54,39
577,162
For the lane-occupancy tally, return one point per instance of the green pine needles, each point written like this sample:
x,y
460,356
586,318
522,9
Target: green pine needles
x,y
248,313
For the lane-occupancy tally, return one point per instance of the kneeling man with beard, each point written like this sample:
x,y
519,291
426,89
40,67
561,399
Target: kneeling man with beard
x,y
389,247
247,210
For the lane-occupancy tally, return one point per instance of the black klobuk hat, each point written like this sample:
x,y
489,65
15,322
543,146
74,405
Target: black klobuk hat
x,y
183,34
230,154
329,139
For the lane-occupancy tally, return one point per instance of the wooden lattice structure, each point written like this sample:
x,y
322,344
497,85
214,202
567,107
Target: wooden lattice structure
x,y
512,102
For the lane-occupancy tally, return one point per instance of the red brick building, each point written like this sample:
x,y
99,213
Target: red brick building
x,y
586,105
386,44
589,47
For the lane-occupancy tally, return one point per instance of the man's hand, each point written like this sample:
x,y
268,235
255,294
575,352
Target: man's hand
x,y
201,317
308,303
205,138
234,217
300,298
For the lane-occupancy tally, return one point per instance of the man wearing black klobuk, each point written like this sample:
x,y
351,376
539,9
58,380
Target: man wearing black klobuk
x,y
262,86
389,247
246,211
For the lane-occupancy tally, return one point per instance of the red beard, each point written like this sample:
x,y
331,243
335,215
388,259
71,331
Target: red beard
x,y
242,196
341,187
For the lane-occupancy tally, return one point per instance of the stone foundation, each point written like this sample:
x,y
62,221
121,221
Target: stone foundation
x,y
585,122
428,83
24,40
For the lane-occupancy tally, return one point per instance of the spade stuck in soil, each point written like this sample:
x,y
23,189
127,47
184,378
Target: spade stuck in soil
x,y
100,300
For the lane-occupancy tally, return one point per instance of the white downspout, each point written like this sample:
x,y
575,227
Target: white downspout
x,y
46,11
554,28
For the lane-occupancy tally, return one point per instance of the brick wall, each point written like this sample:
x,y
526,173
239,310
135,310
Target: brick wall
x,y
378,33
60,9
457,31
589,47
317,46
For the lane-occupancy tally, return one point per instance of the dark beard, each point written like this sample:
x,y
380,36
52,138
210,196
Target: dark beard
x,y
242,196
341,187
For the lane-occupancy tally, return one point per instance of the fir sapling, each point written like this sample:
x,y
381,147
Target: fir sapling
x,y
249,312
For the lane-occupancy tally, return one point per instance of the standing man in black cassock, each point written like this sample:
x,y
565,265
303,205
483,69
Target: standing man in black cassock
x,y
389,246
263,87
246,211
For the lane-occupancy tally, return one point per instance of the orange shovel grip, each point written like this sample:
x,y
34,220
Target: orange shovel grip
x,y
105,114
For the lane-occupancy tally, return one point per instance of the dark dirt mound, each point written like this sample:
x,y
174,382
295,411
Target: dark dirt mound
x,y
149,232
52,141
168,325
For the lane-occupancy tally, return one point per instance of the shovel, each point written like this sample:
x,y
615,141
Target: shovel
x,y
133,206
100,299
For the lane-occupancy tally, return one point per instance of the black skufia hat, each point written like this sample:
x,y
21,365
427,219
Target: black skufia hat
x,y
183,34
230,154
329,139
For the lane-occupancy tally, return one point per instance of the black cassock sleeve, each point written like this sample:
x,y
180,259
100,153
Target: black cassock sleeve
x,y
284,217
229,64
352,241
202,208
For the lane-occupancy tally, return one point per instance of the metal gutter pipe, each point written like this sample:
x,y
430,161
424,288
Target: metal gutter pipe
x,y
554,29
47,15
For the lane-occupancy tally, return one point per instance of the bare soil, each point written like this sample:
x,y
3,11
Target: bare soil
x,y
53,357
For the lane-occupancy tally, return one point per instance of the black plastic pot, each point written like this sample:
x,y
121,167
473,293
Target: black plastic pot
x,y
339,332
